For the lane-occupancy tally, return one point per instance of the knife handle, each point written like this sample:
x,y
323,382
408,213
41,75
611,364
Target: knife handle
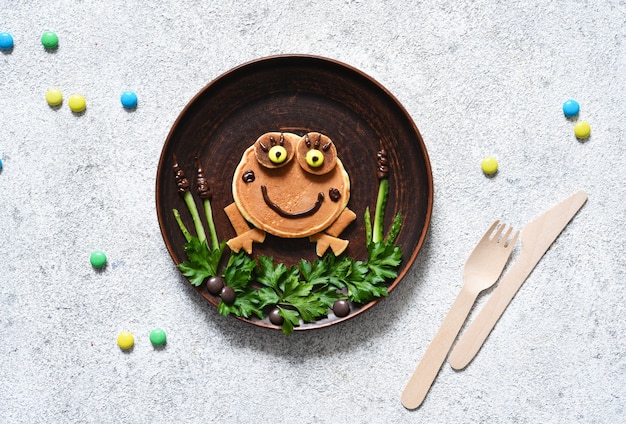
x,y
436,353
473,338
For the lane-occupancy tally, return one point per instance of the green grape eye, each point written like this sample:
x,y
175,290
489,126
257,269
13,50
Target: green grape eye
x,y
314,158
277,154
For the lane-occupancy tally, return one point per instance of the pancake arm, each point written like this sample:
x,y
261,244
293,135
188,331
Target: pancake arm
x,y
340,224
245,234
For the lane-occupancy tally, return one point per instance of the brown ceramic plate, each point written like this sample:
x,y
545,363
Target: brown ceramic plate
x,y
299,94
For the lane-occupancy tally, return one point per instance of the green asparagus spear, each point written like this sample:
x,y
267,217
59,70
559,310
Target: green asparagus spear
x,y
383,191
181,225
205,194
183,189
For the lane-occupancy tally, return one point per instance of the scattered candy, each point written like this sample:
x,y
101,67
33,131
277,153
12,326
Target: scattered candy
x,y
129,99
125,340
50,40
489,165
77,103
6,41
98,259
54,97
582,129
158,337
571,108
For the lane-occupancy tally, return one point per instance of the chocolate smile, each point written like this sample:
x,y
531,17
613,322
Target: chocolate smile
x,y
273,206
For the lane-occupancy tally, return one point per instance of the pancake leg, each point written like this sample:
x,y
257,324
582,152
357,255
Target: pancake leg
x,y
324,241
329,238
245,240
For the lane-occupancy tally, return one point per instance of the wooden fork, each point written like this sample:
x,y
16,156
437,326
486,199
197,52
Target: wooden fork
x,y
482,269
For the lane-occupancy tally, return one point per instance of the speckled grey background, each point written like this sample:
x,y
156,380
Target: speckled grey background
x,y
479,78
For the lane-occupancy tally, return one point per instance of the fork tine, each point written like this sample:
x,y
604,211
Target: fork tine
x,y
501,228
487,235
513,240
506,235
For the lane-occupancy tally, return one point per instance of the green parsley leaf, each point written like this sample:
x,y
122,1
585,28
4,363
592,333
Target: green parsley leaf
x,y
275,276
201,262
365,291
238,272
337,269
298,295
383,260
328,295
246,304
291,320
267,297
360,288
315,272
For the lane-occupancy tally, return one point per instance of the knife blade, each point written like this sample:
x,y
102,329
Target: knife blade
x,y
537,237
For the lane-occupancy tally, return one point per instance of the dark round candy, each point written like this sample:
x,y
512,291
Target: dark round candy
x,y
215,285
341,308
228,295
275,317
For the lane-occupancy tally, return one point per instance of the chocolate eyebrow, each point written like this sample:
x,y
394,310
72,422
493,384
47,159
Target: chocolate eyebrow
x,y
273,142
307,140
273,206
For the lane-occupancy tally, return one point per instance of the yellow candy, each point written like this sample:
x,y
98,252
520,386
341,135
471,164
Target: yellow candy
x,y
77,103
125,340
489,165
314,158
582,129
277,154
54,97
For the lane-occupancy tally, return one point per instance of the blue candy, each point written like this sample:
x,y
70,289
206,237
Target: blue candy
x,y
129,99
6,41
571,108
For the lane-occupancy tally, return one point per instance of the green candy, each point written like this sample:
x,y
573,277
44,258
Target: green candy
x,y
50,40
98,259
158,337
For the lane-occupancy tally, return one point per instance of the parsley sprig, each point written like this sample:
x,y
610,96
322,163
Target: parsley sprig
x,y
202,262
305,292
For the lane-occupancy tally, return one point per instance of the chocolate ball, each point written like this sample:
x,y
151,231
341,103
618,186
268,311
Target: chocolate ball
x,y
275,317
228,295
215,285
341,308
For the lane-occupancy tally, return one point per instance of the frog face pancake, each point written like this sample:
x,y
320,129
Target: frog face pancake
x,y
291,198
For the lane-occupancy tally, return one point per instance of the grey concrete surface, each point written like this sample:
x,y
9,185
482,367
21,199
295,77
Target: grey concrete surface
x,y
479,78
